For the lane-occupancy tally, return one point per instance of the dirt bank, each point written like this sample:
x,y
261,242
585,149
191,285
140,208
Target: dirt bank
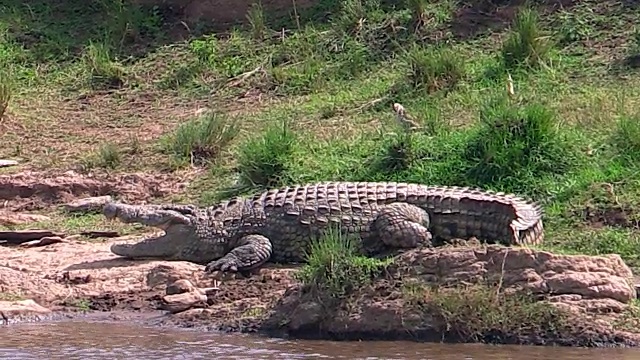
x,y
464,293
77,276
482,294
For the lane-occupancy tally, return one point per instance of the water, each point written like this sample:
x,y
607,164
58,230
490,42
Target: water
x,y
72,340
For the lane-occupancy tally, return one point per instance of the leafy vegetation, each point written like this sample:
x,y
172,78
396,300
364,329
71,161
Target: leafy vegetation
x,y
335,269
483,313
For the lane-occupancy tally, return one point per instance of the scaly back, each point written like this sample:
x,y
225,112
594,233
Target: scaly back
x,y
455,212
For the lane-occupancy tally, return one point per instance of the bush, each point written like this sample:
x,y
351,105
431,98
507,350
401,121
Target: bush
x,y
514,146
263,161
435,69
334,268
202,140
526,44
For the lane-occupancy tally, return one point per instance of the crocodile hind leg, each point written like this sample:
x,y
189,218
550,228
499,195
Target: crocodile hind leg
x,y
402,225
251,252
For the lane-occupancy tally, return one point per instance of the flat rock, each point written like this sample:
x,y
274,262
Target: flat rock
x,y
11,218
20,309
89,204
176,303
589,287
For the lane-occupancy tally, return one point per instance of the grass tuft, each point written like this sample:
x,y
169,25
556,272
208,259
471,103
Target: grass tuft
x,y
105,73
514,145
263,161
6,91
527,45
334,268
626,137
108,156
435,69
256,20
201,141
483,313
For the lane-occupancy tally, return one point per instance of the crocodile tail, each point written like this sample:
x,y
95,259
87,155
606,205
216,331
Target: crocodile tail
x,y
527,227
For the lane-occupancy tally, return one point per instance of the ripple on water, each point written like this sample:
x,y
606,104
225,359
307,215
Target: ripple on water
x,y
73,340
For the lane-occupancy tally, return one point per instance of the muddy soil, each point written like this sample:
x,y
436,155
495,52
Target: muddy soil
x,y
74,276
78,276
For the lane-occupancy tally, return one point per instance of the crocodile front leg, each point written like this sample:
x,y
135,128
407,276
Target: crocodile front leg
x,y
402,225
251,252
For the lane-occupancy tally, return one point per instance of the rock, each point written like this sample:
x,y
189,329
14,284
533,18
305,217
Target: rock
x,y
592,290
7,163
604,277
10,218
181,286
20,309
164,275
180,302
21,236
47,240
89,204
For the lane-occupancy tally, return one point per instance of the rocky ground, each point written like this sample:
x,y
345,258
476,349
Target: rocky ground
x,y
44,274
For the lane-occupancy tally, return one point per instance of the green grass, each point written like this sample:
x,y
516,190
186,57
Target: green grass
x,y
73,224
335,269
313,102
482,313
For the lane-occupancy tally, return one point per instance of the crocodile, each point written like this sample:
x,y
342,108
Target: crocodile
x,y
243,233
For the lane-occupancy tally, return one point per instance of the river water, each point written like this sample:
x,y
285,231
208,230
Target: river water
x,y
71,340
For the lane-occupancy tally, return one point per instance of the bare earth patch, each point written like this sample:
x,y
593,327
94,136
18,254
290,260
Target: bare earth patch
x,y
54,131
31,190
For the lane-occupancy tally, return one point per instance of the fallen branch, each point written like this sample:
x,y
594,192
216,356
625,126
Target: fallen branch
x,y
233,82
22,236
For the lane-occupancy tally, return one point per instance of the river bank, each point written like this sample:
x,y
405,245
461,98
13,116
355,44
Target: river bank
x,y
587,299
